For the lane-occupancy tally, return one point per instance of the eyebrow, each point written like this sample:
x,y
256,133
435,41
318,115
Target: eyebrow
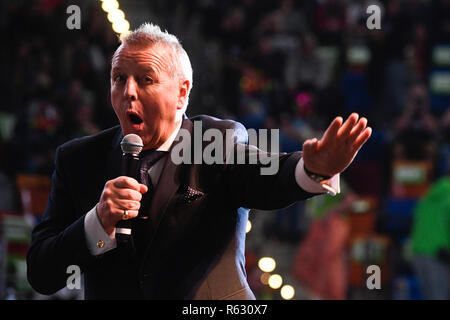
x,y
115,69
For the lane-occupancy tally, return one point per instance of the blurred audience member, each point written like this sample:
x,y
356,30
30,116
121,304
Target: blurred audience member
x,y
304,67
416,128
431,241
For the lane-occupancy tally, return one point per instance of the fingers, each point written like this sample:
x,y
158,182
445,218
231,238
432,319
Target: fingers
x,y
332,130
125,193
127,187
128,194
348,125
338,147
143,188
360,126
362,138
117,206
310,146
127,182
127,204
131,214
118,214
120,194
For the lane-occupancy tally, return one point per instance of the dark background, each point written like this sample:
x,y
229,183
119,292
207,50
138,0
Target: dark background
x,y
291,65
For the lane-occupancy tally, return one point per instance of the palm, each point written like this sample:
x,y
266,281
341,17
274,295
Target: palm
x,y
338,146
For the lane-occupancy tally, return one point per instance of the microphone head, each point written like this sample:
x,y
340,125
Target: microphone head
x,y
131,144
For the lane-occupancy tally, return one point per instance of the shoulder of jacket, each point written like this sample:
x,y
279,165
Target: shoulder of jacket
x,y
209,122
93,143
239,132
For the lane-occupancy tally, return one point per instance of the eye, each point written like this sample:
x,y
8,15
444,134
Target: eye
x,y
119,78
148,80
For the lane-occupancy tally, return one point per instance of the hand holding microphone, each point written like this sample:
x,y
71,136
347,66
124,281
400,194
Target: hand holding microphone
x,y
120,194
120,199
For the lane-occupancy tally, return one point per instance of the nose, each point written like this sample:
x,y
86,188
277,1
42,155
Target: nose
x,y
130,91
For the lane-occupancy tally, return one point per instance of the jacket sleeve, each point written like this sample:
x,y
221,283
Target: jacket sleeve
x,y
258,184
58,241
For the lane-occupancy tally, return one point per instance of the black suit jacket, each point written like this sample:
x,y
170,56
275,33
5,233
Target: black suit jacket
x,y
192,246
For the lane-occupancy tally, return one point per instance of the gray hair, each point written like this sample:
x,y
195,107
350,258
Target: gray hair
x,y
151,34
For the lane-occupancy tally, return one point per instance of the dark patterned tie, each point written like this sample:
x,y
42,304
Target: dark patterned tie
x,y
148,159
142,225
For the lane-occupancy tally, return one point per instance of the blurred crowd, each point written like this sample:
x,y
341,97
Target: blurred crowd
x,y
291,65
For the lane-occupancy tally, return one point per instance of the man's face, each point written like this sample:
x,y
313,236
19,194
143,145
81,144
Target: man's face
x,y
147,100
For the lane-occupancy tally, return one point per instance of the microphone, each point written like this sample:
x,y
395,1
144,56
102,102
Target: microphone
x,y
131,147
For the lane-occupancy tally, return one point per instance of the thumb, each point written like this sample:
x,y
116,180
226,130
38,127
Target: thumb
x,y
310,145
143,188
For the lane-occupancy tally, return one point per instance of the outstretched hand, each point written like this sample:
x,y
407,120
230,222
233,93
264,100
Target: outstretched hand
x,y
338,146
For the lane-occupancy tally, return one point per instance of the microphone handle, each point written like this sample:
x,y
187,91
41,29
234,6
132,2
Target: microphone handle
x,y
130,168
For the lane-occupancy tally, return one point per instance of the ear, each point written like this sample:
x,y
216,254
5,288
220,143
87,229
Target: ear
x,y
183,95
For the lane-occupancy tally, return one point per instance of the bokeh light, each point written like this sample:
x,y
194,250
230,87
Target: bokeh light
x,y
275,281
287,292
267,264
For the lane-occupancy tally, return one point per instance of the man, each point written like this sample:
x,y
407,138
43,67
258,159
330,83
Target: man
x,y
188,229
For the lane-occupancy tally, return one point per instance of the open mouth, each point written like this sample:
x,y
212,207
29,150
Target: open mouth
x,y
134,118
